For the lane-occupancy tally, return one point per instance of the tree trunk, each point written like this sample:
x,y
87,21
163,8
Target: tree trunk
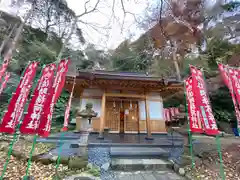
x,y
67,39
7,38
9,53
176,64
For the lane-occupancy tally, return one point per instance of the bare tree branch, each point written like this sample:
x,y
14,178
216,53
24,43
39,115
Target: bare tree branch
x,y
74,25
125,14
89,11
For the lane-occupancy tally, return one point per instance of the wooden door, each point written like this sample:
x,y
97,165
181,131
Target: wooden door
x,y
112,117
132,116
122,119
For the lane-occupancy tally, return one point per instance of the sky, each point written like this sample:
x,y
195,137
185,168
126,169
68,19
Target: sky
x,y
114,34
105,27
101,27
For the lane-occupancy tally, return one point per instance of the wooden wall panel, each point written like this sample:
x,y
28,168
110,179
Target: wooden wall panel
x,y
142,125
96,124
156,126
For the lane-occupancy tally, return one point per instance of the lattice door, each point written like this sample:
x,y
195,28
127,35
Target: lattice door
x,y
132,118
112,115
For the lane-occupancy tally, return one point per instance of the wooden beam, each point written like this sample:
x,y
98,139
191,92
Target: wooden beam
x,y
148,121
91,97
125,95
102,118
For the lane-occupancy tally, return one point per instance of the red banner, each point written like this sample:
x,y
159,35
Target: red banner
x,y
202,101
224,72
227,80
62,75
167,115
234,76
193,112
45,123
16,105
35,108
3,69
68,108
176,110
172,112
4,84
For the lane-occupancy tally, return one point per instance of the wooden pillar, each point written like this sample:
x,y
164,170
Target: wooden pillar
x,y
102,118
148,121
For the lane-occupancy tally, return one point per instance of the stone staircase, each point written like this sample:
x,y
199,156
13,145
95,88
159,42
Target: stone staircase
x,y
139,159
139,164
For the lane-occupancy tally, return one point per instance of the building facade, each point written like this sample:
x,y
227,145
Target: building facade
x,y
125,102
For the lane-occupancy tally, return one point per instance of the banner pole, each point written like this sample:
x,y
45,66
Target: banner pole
x,y
9,155
222,173
30,156
63,134
60,151
14,137
189,131
217,140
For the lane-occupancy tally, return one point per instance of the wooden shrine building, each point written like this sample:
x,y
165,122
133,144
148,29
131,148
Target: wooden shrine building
x,y
125,102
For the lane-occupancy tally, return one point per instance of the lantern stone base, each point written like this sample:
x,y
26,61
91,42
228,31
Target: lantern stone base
x,y
82,124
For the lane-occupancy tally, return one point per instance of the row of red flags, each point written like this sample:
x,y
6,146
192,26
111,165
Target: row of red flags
x,y
41,105
4,74
231,78
169,113
200,113
40,109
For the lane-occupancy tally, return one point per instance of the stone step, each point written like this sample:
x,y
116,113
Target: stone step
x,y
64,137
147,175
138,152
123,164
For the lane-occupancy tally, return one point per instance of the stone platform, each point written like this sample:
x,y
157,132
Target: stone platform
x,y
132,152
137,140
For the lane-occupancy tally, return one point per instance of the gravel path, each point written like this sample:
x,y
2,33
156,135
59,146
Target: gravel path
x,y
100,156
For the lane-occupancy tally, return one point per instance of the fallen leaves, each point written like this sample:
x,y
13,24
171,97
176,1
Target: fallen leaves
x,y
17,167
209,168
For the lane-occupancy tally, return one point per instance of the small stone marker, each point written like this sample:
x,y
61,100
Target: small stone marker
x,y
181,171
82,178
28,178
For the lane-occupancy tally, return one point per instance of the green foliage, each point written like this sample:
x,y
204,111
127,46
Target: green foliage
x,y
231,6
60,106
173,102
95,172
219,51
222,105
86,64
130,58
37,45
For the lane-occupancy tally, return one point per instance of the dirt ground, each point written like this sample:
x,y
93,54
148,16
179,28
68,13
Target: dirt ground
x,y
207,162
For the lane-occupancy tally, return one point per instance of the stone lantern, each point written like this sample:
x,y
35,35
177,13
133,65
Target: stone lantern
x,y
86,118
